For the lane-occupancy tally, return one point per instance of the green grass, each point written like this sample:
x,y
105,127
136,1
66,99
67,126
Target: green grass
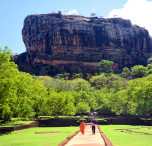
x,y
27,137
103,119
127,135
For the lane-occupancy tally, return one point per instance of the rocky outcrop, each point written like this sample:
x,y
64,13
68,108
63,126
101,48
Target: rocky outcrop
x,y
78,44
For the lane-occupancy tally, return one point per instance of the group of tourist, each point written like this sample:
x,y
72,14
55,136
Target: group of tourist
x,y
82,127
93,123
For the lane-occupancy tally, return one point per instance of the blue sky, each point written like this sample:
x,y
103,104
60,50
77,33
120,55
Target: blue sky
x,y
13,13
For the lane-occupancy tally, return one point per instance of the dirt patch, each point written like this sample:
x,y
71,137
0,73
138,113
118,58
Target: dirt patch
x,y
130,131
52,132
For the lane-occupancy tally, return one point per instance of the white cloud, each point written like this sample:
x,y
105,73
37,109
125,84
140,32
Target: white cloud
x,y
93,9
138,11
72,12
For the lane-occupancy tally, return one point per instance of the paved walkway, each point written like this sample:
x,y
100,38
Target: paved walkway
x,y
88,139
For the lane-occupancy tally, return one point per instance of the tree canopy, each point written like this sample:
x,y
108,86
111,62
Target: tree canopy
x,y
25,95
105,66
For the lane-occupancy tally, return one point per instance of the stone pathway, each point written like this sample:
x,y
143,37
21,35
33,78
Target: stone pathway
x,y
88,139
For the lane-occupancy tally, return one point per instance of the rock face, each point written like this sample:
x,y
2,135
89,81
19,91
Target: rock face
x,y
78,44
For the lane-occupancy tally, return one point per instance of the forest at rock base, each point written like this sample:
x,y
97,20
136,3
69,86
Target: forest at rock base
x,y
26,95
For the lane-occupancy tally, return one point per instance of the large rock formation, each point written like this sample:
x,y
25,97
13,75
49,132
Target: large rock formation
x,y
78,44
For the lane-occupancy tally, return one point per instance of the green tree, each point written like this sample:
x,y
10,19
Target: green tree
x,y
82,108
136,99
126,72
116,83
139,71
57,104
149,66
102,99
8,75
31,94
120,103
62,85
82,91
45,70
98,81
93,14
20,94
140,90
105,66
80,85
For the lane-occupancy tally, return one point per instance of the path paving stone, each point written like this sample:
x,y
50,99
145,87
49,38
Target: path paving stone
x,y
88,139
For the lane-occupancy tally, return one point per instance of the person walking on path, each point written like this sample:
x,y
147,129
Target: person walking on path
x,y
87,139
93,128
82,127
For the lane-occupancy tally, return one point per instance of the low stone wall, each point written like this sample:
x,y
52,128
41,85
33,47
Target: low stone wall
x,y
59,122
129,121
4,130
75,122
65,122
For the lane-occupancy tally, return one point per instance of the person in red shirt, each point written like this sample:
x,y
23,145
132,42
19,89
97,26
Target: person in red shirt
x,y
82,127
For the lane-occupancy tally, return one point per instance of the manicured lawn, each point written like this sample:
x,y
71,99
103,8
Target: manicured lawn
x,y
127,135
27,137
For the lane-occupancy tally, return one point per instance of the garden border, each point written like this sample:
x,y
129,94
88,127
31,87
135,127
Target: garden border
x,y
106,140
68,138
